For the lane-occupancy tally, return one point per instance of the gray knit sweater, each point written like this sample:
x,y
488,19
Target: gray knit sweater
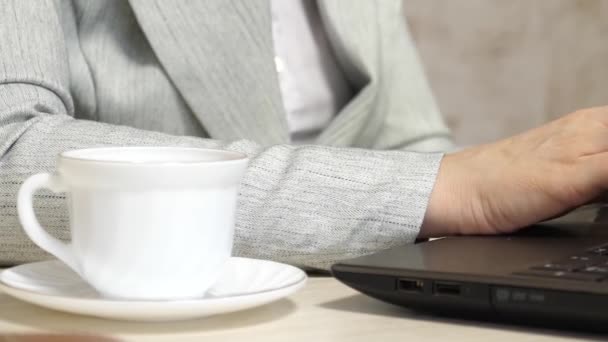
x,y
81,73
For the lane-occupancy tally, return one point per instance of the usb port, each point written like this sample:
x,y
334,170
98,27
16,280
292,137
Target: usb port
x,y
447,289
410,285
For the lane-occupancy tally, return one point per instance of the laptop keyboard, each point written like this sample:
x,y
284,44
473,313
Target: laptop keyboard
x,y
590,265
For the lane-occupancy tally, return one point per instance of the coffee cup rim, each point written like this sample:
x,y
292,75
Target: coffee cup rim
x,y
229,157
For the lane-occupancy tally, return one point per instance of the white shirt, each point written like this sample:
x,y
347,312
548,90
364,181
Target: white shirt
x,y
312,84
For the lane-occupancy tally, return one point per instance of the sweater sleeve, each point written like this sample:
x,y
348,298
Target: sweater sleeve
x,y
304,205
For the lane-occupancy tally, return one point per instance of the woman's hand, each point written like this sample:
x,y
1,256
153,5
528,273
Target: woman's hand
x,y
503,186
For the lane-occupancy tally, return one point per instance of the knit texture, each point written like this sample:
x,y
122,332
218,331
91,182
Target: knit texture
x,y
77,74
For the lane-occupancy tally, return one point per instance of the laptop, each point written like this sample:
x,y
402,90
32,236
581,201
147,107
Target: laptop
x,y
553,274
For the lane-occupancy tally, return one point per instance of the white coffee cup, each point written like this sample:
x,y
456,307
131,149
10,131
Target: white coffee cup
x,y
147,223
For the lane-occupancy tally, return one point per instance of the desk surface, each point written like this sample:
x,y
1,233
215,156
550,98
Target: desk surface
x,y
324,310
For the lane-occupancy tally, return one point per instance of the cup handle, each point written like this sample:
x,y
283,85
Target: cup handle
x,y
32,227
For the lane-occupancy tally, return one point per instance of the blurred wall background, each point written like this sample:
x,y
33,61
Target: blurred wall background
x,y
500,67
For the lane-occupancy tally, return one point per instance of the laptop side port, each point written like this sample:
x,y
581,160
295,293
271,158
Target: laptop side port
x,y
447,288
410,285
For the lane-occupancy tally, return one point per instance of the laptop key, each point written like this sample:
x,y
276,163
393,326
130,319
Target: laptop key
x,y
580,276
559,266
573,263
581,258
595,269
601,250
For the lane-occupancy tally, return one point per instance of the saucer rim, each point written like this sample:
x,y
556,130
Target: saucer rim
x,y
121,301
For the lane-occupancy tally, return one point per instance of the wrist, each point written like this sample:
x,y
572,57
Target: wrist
x,y
450,209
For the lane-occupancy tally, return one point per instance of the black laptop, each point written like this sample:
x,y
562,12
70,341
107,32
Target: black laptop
x,y
553,274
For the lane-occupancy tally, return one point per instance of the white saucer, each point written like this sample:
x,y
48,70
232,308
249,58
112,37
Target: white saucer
x,y
244,284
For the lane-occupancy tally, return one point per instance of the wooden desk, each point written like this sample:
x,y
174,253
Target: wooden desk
x,y
324,310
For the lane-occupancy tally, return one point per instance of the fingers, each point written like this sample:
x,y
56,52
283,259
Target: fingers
x,y
585,132
595,113
593,139
594,171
